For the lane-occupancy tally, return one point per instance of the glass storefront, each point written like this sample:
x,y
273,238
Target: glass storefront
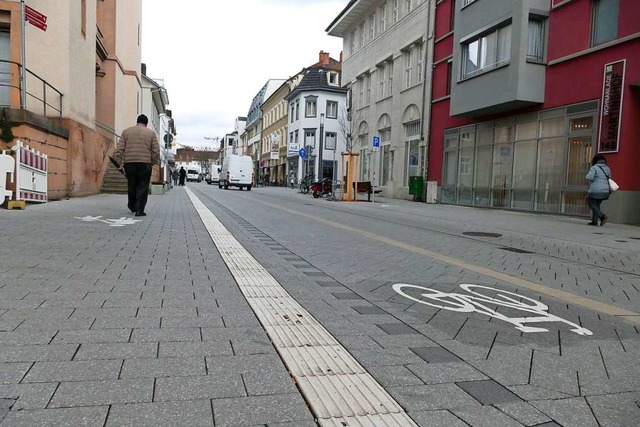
x,y
535,162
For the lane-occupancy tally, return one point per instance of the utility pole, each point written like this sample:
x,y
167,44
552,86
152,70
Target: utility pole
x,y
320,169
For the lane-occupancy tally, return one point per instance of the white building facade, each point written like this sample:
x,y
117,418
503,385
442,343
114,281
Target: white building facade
x,y
387,69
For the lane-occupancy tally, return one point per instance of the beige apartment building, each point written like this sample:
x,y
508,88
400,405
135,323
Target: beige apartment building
x,y
83,84
273,145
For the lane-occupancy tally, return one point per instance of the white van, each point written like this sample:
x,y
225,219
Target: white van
x,y
193,175
236,171
214,175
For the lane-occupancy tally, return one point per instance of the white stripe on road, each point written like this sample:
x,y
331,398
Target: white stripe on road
x,y
337,388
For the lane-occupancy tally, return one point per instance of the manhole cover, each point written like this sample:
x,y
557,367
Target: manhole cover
x,y
481,234
516,250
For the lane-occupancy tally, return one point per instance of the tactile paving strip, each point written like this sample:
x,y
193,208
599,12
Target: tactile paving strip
x,y
337,388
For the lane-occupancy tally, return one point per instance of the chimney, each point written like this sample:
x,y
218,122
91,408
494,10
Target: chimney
x,y
143,67
341,55
324,58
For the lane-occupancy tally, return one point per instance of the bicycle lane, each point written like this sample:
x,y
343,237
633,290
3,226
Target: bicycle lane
x,y
560,373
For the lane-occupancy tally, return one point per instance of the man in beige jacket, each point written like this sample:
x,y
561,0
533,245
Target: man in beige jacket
x,y
137,152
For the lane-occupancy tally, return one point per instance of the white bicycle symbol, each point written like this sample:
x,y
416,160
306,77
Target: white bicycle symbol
x,y
475,303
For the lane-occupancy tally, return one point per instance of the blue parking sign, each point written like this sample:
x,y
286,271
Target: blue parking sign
x,y
376,142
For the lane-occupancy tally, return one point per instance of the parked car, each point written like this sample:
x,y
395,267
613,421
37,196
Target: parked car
x,y
193,175
236,171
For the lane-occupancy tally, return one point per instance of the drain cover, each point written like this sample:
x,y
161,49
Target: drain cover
x,y
516,250
481,234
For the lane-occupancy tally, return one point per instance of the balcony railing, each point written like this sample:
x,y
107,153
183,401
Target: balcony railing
x,y
42,98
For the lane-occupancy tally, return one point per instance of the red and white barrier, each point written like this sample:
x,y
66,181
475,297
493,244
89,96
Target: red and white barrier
x,y
31,174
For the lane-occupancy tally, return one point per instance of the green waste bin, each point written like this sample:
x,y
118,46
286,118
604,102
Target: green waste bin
x,y
416,185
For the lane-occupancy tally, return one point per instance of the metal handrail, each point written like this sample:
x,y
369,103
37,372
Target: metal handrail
x,y
46,88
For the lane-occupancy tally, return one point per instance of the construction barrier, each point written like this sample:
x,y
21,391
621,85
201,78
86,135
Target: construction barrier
x,y
31,174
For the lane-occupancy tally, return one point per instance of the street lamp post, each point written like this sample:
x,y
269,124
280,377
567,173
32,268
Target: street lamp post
x,y
320,149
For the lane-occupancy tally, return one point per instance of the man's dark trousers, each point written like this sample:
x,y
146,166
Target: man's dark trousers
x,y
138,178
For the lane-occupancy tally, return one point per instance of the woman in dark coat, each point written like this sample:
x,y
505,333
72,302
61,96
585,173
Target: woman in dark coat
x,y
599,190
183,175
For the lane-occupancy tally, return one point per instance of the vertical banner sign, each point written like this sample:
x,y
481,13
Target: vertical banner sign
x,y
611,112
36,18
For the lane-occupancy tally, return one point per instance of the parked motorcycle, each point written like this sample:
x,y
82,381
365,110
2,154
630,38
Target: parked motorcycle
x,y
322,188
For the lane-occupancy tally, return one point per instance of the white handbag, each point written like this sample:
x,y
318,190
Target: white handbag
x,y
613,185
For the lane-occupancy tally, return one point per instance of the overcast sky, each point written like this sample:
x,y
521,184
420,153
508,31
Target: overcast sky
x,y
214,56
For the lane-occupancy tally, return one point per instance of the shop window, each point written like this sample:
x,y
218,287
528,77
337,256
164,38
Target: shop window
x,y
604,21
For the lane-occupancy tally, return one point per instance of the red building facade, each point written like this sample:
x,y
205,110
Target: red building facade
x,y
577,93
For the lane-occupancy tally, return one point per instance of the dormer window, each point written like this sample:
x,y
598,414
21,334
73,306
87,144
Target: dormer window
x,y
332,78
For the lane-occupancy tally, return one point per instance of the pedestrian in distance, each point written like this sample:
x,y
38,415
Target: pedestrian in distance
x,y
137,151
292,179
175,175
267,178
183,175
599,190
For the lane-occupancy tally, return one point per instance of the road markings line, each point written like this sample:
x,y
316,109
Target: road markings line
x,y
601,307
337,388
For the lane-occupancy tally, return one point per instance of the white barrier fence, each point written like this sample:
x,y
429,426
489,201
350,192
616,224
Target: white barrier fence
x,y
31,174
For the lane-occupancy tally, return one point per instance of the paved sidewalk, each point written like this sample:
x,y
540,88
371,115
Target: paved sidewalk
x,y
132,325
110,320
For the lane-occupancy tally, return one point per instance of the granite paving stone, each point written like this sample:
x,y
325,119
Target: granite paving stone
x,y
440,418
92,336
435,354
37,353
73,371
432,397
220,385
436,373
12,373
273,381
96,393
126,323
392,376
163,367
166,335
117,351
29,396
63,417
485,416
523,412
567,412
194,413
260,410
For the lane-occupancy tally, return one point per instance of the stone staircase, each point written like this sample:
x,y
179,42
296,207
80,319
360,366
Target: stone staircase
x,y
114,182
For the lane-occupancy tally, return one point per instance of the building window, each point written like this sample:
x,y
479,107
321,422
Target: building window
x,y
396,7
372,26
486,52
352,46
381,79
420,62
390,71
383,17
409,5
310,138
604,21
361,90
332,78
368,78
449,75
452,18
310,107
535,43
83,17
408,68
330,140
362,39
467,2
297,109
295,137
332,109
